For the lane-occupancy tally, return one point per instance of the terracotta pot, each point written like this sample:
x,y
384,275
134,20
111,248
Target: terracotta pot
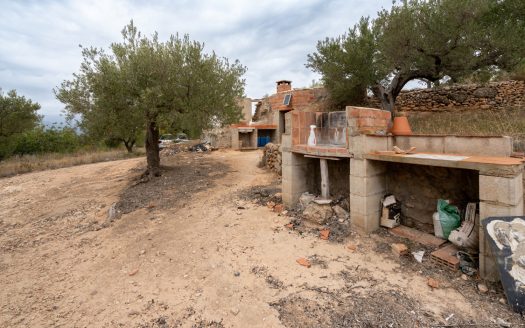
x,y
401,126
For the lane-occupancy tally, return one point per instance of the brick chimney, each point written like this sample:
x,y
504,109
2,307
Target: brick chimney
x,y
284,85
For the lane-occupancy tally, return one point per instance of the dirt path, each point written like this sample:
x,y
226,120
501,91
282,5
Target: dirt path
x,y
187,251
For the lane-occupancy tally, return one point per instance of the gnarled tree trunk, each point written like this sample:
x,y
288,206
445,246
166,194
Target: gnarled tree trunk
x,y
129,145
152,149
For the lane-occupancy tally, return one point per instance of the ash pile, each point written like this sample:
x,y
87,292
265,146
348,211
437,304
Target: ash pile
x,y
272,158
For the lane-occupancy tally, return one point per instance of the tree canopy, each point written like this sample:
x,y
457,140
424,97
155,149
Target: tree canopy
x,y
143,83
17,114
417,39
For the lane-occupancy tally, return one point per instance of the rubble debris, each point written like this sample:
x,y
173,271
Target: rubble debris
x,y
279,208
305,199
270,204
483,288
324,234
304,262
201,147
340,212
399,249
317,213
433,283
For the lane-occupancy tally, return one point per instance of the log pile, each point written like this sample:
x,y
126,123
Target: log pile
x,y
272,158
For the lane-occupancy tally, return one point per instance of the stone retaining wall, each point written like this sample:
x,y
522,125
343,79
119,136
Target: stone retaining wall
x,y
497,95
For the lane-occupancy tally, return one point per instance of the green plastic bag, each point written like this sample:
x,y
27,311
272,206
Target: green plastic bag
x,y
448,217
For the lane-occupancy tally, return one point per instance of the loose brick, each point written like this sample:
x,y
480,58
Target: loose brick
x,y
433,283
304,262
324,234
399,249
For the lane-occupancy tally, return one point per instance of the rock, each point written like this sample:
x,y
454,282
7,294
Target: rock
x,y
134,272
483,288
289,225
464,277
270,204
324,234
485,92
112,212
399,249
502,301
278,195
305,199
142,252
317,213
352,247
236,273
304,262
433,283
503,323
234,311
340,212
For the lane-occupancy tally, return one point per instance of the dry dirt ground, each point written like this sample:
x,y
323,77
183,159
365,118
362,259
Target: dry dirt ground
x,y
190,249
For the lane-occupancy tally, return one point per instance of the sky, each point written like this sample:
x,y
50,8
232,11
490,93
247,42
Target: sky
x,y
39,40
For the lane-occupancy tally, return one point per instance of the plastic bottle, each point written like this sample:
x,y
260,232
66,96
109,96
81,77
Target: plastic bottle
x,y
312,141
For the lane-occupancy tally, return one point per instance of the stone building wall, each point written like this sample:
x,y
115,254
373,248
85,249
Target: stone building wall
x,y
497,95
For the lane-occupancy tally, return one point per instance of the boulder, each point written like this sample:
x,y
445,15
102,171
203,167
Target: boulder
x,y
318,213
340,212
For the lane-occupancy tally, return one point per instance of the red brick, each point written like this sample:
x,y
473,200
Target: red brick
x,y
304,262
324,234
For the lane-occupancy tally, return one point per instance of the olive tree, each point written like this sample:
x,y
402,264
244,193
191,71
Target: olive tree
x,y
143,83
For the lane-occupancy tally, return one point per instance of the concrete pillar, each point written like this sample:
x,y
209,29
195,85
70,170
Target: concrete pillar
x,y
367,187
294,177
499,196
235,138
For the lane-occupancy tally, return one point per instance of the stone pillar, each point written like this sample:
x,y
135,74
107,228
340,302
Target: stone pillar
x,y
498,196
367,187
294,176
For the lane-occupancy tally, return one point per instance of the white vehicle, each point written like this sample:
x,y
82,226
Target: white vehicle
x,y
166,140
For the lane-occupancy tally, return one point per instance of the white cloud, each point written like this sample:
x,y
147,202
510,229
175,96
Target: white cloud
x,y
39,39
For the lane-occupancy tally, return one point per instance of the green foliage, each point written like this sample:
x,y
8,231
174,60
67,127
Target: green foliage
x,y
39,141
17,114
417,39
145,84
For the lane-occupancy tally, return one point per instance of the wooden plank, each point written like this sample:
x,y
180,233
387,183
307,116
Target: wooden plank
x,y
323,157
325,183
417,236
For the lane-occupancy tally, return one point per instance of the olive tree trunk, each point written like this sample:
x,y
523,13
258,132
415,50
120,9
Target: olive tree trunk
x,y
152,149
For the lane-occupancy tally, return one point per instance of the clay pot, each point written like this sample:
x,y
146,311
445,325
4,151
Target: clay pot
x,y
401,126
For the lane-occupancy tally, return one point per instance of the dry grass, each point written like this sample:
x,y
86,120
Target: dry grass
x,y
31,163
509,122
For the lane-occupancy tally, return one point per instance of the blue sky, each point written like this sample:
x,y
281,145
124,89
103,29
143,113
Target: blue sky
x,y
39,39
